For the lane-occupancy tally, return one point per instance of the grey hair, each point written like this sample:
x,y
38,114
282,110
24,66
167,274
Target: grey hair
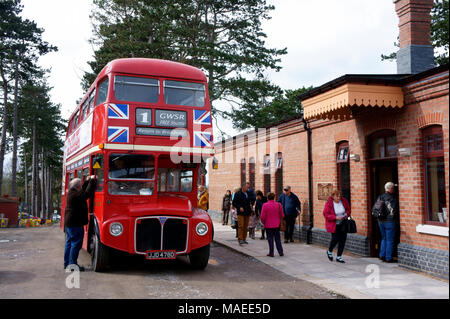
x,y
388,185
75,184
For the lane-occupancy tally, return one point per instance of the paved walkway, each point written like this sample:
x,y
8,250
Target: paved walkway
x,y
357,278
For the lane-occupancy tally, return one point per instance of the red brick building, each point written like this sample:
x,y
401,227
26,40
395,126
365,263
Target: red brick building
x,y
358,132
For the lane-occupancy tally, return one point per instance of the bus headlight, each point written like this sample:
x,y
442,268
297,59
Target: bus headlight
x,y
116,229
201,229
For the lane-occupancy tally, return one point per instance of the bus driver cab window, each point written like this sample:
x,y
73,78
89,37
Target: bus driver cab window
x,y
131,174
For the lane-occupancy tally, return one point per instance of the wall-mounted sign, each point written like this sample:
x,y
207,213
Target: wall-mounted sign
x,y
324,190
168,118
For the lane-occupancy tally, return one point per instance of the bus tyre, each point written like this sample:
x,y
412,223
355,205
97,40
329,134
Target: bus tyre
x,y
100,255
199,257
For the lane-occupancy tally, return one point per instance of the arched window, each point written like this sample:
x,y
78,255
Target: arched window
x,y
243,172
434,169
278,174
266,174
343,169
251,172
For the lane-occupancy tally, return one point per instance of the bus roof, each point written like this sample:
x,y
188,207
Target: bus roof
x,y
154,67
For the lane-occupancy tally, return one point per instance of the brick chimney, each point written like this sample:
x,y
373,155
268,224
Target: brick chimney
x,y
416,53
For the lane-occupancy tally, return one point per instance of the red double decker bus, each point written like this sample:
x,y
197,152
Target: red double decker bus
x,y
144,128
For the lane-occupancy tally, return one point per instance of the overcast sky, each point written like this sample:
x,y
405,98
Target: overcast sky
x,y
325,39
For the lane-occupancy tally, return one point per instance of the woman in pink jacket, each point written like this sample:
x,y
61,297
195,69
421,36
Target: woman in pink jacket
x,y
271,215
335,211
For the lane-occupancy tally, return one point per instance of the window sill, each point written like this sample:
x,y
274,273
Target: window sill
x,y
432,230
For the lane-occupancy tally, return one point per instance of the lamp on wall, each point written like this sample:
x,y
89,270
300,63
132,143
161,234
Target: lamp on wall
x,y
406,151
355,157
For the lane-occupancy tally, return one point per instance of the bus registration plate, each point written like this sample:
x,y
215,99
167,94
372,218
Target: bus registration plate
x,y
161,254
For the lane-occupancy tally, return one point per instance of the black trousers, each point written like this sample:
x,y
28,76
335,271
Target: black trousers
x,y
290,226
225,216
339,237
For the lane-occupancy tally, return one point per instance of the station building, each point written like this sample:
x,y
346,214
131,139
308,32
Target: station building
x,y
356,133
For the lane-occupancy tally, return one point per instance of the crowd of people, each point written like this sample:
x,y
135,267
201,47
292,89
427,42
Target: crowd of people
x,y
250,210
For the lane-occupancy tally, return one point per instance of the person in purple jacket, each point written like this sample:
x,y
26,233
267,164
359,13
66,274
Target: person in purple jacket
x,y
271,215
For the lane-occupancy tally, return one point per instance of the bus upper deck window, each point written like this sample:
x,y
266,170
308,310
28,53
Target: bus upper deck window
x,y
85,109
184,93
91,100
102,91
135,89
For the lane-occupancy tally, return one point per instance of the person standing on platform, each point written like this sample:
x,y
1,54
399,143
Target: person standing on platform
x,y
271,216
291,207
242,204
226,206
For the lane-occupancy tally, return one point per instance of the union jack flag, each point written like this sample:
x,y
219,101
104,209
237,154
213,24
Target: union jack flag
x,y
118,134
202,117
202,139
118,111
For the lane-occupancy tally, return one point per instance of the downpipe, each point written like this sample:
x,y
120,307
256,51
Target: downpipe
x,y
310,186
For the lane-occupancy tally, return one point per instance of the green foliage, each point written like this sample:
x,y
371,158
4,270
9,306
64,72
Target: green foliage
x,y
264,105
439,30
25,95
224,38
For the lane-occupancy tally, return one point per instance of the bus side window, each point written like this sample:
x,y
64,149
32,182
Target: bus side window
x,y
98,168
91,101
85,173
85,109
102,92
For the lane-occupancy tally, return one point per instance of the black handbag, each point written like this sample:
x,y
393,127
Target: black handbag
x,y
350,225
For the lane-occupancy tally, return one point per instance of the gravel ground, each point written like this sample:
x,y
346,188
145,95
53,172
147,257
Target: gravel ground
x,y
31,266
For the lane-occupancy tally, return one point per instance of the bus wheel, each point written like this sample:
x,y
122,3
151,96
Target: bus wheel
x,y
199,257
100,255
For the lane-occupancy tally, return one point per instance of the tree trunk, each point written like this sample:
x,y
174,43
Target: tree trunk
x,y
42,188
4,125
49,194
15,116
33,174
26,179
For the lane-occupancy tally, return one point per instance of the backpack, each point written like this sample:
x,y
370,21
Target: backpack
x,y
379,210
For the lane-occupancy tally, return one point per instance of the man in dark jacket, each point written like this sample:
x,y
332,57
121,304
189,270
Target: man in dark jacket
x,y
75,217
388,224
241,202
291,208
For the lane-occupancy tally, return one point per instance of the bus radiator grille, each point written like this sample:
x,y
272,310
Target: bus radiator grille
x,y
174,234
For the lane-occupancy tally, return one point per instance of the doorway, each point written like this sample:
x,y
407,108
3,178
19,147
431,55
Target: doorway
x,y
383,168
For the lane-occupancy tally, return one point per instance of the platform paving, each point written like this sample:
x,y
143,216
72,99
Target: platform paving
x,y
359,277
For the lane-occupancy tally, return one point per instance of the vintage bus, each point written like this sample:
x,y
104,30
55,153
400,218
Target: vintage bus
x,y
144,128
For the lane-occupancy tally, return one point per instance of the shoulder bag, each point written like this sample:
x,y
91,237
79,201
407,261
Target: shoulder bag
x,y
282,221
350,225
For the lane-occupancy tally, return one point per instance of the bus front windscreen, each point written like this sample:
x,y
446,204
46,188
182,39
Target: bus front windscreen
x,y
136,89
184,93
131,174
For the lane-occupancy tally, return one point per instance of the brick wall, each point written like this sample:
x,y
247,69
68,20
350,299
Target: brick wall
x,y
426,103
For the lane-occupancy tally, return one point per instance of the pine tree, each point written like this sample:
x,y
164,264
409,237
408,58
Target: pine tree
x,y
224,38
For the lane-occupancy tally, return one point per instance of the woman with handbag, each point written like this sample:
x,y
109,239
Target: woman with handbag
x,y
271,216
336,211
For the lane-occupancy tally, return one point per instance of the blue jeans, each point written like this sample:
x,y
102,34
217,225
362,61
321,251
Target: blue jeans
x,y
387,230
74,241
